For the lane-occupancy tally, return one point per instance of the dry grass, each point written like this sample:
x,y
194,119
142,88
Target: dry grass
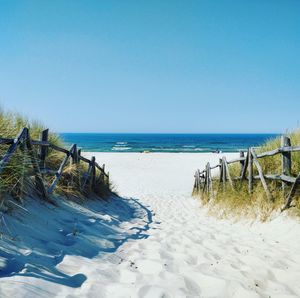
x,y
240,203
17,179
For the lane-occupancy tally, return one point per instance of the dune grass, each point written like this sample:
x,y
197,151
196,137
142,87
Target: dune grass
x,y
239,202
17,178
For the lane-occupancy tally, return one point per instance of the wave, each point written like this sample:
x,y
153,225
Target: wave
x,y
120,148
180,149
165,149
196,143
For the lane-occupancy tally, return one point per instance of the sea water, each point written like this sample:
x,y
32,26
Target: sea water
x,y
105,142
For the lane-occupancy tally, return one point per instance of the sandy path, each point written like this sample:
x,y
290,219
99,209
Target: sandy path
x,y
187,253
160,243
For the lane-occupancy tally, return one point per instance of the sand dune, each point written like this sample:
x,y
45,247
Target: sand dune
x,y
175,249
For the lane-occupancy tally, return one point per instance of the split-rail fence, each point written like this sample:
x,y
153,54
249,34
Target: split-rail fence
x,y
38,158
204,181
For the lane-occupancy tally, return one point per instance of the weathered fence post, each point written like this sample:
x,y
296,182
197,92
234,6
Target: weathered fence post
x,y
227,171
224,174
286,160
196,183
209,181
107,181
199,181
74,161
93,173
205,181
220,169
102,174
242,162
75,155
79,154
244,171
12,148
39,182
60,171
292,193
261,174
207,178
250,171
43,149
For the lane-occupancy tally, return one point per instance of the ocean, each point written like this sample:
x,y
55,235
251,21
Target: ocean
x,y
196,143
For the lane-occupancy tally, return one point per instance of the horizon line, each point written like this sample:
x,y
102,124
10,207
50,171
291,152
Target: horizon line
x,y
169,133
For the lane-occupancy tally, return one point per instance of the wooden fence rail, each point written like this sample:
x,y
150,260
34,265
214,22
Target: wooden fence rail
x,y
204,180
38,162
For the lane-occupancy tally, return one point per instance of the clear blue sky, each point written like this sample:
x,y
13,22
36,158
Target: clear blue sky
x,y
152,66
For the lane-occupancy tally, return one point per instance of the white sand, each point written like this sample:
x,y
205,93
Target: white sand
x,y
187,253
173,249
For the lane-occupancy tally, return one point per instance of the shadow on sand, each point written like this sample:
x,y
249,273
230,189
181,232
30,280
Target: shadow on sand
x,y
40,238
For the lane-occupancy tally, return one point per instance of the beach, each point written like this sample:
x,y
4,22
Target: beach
x,y
187,253
154,240
149,149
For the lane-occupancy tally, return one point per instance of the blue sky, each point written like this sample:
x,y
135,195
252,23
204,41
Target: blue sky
x,y
152,66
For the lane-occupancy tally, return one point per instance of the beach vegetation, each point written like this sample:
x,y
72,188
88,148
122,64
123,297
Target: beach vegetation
x,y
237,200
17,178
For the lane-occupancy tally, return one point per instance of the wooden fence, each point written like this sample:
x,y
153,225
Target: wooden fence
x,y
204,181
38,158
